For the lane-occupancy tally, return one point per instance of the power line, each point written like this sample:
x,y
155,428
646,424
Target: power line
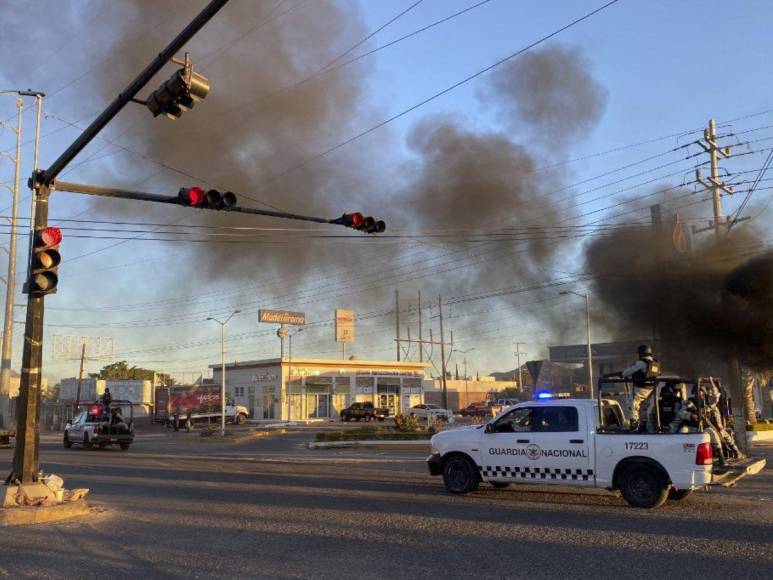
x,y
433,97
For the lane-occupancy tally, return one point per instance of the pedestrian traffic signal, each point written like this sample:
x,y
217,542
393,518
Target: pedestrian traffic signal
x,y
45,261
356,221
179,93
212,199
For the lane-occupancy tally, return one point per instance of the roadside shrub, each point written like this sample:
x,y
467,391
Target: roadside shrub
x,y
760,427
406,423
437,426
209,429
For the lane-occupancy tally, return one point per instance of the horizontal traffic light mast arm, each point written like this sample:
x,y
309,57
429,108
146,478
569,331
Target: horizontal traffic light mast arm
x,y
175,200
131,91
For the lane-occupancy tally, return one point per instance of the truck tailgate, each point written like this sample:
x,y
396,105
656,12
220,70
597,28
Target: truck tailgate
x,y
728,475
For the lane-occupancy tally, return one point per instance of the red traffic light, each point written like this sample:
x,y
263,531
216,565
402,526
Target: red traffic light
x,y
350,220
193,196
44,262
51,236
211,199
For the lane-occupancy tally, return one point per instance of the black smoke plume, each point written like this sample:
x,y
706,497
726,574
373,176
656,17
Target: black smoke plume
x,y
702,306
252,130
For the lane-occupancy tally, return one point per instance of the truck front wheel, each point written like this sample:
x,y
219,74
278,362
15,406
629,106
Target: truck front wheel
x,y
460,475
643,486
241,419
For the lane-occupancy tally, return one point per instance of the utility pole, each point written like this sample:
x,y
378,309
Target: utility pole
x,y
397,322
421,336
80,380
738,395
25,456
518,354
10,280
442,352
715,184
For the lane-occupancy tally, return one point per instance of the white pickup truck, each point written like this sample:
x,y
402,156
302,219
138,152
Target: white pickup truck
x,y
559,442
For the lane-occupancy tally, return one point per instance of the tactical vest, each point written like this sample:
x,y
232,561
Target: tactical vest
x,y
646,377
669,402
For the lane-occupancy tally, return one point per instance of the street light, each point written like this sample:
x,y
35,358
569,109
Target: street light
x,y
290,368
7,341
222,367
466,392
587,322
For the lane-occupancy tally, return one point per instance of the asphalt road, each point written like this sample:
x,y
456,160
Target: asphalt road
x,y
174,506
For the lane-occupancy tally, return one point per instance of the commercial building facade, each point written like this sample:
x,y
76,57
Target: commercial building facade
x,y
301,389
138,392
462,393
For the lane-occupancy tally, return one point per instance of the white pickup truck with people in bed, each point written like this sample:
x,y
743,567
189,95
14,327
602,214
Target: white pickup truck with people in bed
x,y
585,443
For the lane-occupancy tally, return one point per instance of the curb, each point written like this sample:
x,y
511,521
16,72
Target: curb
x,y
28,515
754,436
419,444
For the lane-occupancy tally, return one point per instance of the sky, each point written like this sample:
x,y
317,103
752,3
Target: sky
x,y
663,68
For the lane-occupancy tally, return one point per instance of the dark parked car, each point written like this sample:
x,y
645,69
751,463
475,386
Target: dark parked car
x,y
364,412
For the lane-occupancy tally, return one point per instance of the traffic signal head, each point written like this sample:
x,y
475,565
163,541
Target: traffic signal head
x,y
45,261
212,199
357,221
179,93
350,220
191,196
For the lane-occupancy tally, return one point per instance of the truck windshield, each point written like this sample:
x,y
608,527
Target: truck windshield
x,y
516,421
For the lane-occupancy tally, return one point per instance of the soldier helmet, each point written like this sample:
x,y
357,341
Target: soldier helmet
x,y
644,350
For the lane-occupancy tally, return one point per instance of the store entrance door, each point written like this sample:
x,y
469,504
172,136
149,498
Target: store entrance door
x,y
268,406
391,402
319,407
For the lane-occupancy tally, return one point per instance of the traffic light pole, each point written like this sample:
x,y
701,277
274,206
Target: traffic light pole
x,y
175,200
25,455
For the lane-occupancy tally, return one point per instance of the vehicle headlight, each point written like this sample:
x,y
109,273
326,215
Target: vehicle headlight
x,y
433,449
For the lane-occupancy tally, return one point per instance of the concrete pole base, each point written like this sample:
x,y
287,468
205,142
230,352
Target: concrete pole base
x,y
28,515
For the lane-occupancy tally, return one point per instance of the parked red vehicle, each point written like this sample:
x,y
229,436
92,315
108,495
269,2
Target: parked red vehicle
x,y
481,409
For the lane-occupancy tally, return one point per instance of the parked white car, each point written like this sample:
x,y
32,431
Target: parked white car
x,y
430,412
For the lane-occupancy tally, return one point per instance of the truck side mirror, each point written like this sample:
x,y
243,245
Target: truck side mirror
x,y
489,428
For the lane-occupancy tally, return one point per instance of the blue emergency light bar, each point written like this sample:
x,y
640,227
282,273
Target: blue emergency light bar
x,y
542,395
